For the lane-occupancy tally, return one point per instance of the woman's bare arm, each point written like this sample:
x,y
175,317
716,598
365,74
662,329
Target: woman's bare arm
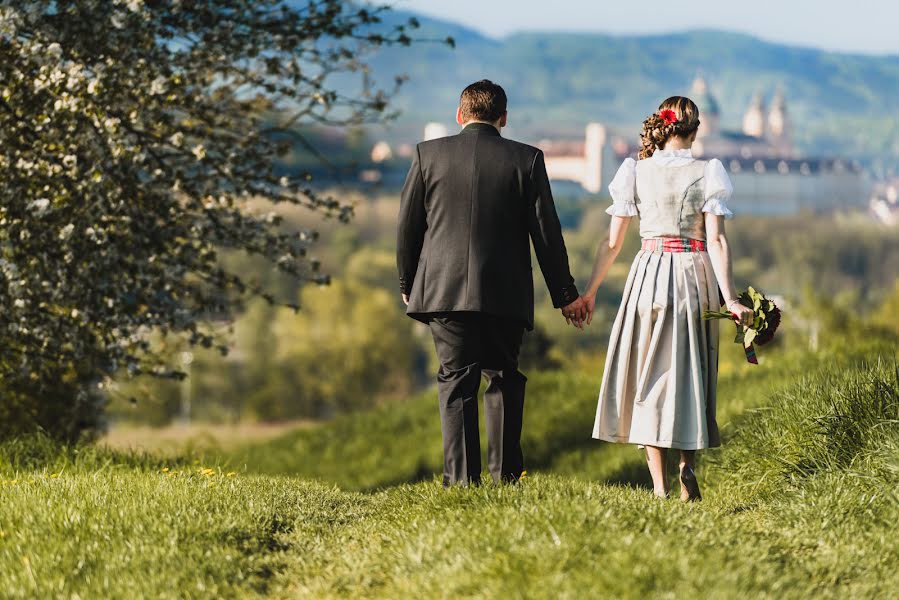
x,y
719,253
605,255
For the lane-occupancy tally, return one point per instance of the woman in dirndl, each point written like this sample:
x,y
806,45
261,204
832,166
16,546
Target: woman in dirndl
x,y
658,386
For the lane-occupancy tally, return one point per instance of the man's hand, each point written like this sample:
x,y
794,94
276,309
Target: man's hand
x,y
575,313
406,299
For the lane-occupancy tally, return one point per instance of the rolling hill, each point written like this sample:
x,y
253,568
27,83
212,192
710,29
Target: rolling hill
x,y
841,103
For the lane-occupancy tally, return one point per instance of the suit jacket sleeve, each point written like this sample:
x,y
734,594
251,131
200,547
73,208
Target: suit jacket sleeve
x,y
411,225
546,234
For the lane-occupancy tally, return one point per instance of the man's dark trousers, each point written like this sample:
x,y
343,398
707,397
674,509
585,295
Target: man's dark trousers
x,y
470,345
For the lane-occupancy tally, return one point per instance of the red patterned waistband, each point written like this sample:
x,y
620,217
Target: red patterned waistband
x,y
673,245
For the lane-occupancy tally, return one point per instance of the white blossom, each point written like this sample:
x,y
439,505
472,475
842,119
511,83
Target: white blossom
x,y
199,151
39,206
158,86
66,232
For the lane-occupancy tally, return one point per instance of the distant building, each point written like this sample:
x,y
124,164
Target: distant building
x,y
435,130
581,162
381,152
884,202
769,175
764,135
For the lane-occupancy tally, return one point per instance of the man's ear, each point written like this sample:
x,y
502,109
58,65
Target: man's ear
x,y
459,116
502,119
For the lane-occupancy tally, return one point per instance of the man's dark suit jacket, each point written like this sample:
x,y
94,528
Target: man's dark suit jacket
x,y
469,205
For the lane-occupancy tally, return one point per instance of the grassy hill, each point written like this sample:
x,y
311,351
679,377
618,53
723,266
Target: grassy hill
x,y
800,502
557,82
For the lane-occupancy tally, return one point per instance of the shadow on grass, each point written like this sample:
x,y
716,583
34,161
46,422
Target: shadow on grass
x,y
631,472
634,474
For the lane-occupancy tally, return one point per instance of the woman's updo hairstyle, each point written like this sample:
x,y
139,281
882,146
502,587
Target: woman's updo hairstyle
x,y
677,116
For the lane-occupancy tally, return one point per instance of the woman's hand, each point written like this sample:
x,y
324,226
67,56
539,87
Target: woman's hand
x,y
742,314
590,303
575,313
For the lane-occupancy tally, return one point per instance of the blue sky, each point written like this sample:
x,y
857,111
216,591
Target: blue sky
x,y
867,26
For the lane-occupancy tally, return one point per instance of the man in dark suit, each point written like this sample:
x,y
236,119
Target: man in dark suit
x,y
471,205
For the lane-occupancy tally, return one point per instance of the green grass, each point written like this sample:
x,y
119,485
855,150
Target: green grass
x,y
800,502
401,442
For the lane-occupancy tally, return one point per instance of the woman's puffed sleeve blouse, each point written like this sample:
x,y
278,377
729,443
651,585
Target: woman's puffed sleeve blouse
x,y
622,190
718,190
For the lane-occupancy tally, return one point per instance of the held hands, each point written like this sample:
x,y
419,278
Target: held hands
x,y
579,312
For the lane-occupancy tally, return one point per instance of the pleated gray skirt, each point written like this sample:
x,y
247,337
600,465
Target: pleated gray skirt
x,y
658,385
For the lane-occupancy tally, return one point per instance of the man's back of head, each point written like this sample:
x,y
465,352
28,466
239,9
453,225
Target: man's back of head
x,y
482,102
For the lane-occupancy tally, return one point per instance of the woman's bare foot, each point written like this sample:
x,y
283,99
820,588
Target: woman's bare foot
x,y
689,486
655,460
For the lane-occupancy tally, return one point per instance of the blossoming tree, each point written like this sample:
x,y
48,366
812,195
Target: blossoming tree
x,y
132,142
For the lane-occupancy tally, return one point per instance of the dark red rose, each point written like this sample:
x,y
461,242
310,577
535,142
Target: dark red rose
x,y
767,334
668,115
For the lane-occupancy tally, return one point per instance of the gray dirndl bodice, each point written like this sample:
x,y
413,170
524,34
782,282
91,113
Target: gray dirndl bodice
x,y
670,199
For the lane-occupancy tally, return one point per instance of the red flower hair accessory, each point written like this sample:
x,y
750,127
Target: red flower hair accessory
x,y
668,115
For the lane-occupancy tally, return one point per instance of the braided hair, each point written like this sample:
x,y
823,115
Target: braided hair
x,y
662,125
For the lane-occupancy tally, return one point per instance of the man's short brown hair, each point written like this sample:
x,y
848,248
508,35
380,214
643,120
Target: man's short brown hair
x,y
483,101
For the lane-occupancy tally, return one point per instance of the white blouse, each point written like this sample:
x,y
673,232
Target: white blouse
x,y
718,188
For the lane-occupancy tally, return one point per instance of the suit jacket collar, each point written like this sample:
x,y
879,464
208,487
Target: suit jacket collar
x,y
484,128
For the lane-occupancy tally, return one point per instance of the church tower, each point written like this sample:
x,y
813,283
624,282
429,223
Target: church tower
x,y
780,129
709,113
754,119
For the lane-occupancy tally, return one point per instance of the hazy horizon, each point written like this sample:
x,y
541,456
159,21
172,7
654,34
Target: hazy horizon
x,y
868,29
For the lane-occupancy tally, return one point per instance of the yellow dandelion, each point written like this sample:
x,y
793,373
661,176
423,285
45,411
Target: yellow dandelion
x,y
523,475
231,474
165,469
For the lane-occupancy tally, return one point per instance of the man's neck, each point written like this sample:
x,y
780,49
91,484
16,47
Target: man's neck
x,y
494,125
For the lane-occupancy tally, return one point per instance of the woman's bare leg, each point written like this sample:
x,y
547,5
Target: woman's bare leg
x,y
689,486
655,459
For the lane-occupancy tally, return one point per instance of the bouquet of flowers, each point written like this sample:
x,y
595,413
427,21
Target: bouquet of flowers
x,y
765,322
